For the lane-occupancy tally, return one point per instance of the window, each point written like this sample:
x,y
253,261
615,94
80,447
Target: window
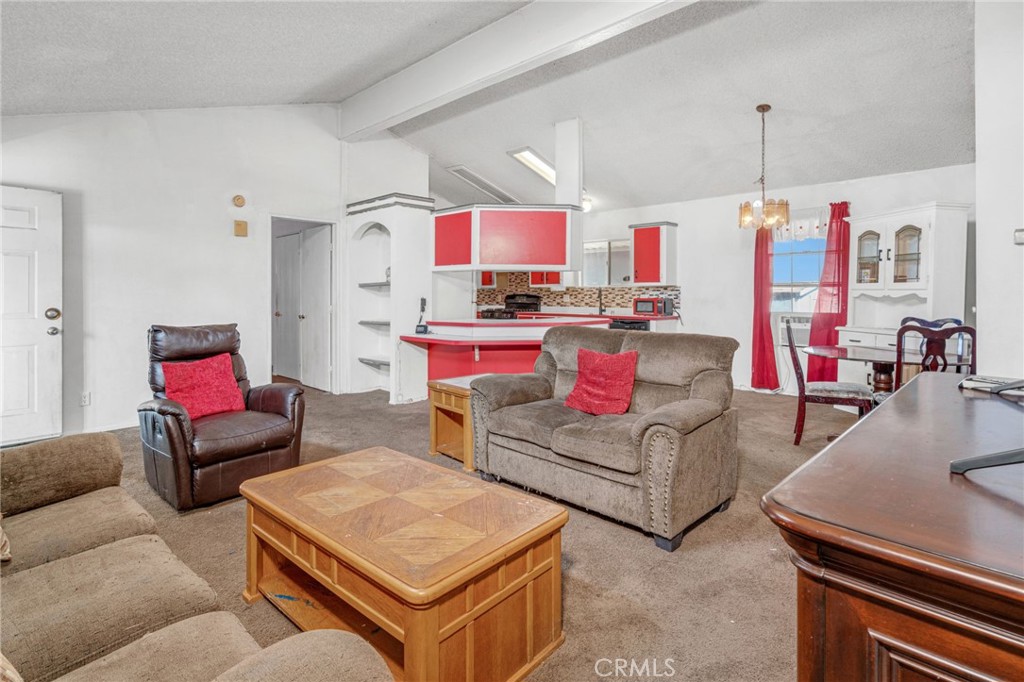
x,y
796,270
606,263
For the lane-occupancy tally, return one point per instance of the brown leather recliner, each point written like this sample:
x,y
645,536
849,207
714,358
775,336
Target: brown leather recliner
x,y
195,462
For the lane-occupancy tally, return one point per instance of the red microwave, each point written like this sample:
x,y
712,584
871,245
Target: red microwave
x,y
653,306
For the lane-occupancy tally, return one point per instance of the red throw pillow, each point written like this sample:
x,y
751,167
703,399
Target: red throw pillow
x,y
204,387
604,383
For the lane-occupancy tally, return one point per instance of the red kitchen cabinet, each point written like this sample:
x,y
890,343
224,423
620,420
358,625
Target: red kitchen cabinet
x,y
653,251
545,279
453,239
512,238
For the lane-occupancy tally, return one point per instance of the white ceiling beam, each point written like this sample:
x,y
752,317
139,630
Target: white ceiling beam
x,y
536,34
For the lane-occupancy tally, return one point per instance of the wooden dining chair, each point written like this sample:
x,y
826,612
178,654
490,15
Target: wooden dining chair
x,y
935,324
824,392
934,349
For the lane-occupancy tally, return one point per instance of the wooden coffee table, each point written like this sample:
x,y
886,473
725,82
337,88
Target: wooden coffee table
x,y
450,578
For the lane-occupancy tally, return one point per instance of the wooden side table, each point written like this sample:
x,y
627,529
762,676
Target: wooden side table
x,y
451,424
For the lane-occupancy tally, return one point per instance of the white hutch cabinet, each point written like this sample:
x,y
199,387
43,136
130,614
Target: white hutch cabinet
x,y
920,250
910,262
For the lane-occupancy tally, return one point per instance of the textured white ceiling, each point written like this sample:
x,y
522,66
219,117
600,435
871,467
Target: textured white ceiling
x,y
113,56
857,89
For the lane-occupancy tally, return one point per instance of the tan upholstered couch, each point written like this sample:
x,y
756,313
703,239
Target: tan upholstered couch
x,y
670,460
92,594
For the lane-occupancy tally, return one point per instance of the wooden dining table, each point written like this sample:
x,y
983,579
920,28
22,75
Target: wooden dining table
x,y
883,360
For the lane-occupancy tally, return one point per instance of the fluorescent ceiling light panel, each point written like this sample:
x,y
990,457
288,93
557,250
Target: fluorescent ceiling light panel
x,y
534,162
482,184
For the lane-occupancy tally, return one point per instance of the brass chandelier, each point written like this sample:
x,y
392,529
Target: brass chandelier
x,y
766,213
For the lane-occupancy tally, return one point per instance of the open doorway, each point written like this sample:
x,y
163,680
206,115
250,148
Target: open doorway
x,y
302,301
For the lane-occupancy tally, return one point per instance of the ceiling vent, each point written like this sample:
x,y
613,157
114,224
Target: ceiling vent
x,y
484,186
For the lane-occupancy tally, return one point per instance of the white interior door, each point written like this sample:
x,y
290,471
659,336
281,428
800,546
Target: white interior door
x,y
315,316
31,314
285,325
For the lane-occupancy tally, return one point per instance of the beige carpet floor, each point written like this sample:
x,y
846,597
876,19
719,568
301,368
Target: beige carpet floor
x,y
722,607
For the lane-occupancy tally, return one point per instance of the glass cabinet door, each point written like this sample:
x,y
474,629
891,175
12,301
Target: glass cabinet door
x,y
907,255
868,257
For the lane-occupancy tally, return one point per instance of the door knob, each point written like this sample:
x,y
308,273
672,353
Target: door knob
x,y
277,313
302,317
52,313
53,331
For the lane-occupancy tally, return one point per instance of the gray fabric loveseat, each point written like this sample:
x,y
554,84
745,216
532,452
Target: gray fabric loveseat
x,y
91,594
664,464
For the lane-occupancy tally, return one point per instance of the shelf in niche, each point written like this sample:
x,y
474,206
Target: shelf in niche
x,y
376,362
375,323
374,285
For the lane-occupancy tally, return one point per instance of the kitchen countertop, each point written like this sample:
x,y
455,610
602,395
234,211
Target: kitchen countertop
x,y
611,316
528,320
499,332
449,340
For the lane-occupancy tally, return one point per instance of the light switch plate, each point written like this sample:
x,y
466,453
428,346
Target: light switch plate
x,y
241,228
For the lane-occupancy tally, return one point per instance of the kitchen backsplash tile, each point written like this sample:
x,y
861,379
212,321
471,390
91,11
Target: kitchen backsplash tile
x,y
578,297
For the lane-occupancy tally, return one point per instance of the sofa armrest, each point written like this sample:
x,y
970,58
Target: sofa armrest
x,y
502,390
50,471
687,475
166,407
314,656
683,416
280,399
494,392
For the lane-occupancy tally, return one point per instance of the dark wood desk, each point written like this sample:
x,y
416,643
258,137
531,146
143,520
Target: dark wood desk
x,y
883,361
905,571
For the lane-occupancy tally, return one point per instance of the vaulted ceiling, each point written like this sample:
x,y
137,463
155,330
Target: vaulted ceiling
x,y
857,88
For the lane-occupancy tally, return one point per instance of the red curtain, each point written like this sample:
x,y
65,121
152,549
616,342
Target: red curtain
x,y
763,371
833,292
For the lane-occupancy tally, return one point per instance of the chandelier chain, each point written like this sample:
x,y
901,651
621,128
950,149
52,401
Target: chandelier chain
x,y
761,180
764,213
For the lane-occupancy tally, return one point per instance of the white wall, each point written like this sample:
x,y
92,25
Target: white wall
x,y
384,164
716,259
999,110
148,229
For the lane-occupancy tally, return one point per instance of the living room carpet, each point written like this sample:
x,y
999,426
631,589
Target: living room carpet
x,y
722,607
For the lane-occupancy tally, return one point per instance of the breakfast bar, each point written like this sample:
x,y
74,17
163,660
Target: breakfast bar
x,y
462,347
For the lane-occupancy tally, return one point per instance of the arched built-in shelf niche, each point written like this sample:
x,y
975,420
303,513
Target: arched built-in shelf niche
x,y
371,300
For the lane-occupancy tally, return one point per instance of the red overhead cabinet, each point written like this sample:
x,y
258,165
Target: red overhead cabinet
x,y
452,238
545,279
653,249
507,238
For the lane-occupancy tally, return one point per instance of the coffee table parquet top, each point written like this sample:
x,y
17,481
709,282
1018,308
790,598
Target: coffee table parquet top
x,y
420,523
